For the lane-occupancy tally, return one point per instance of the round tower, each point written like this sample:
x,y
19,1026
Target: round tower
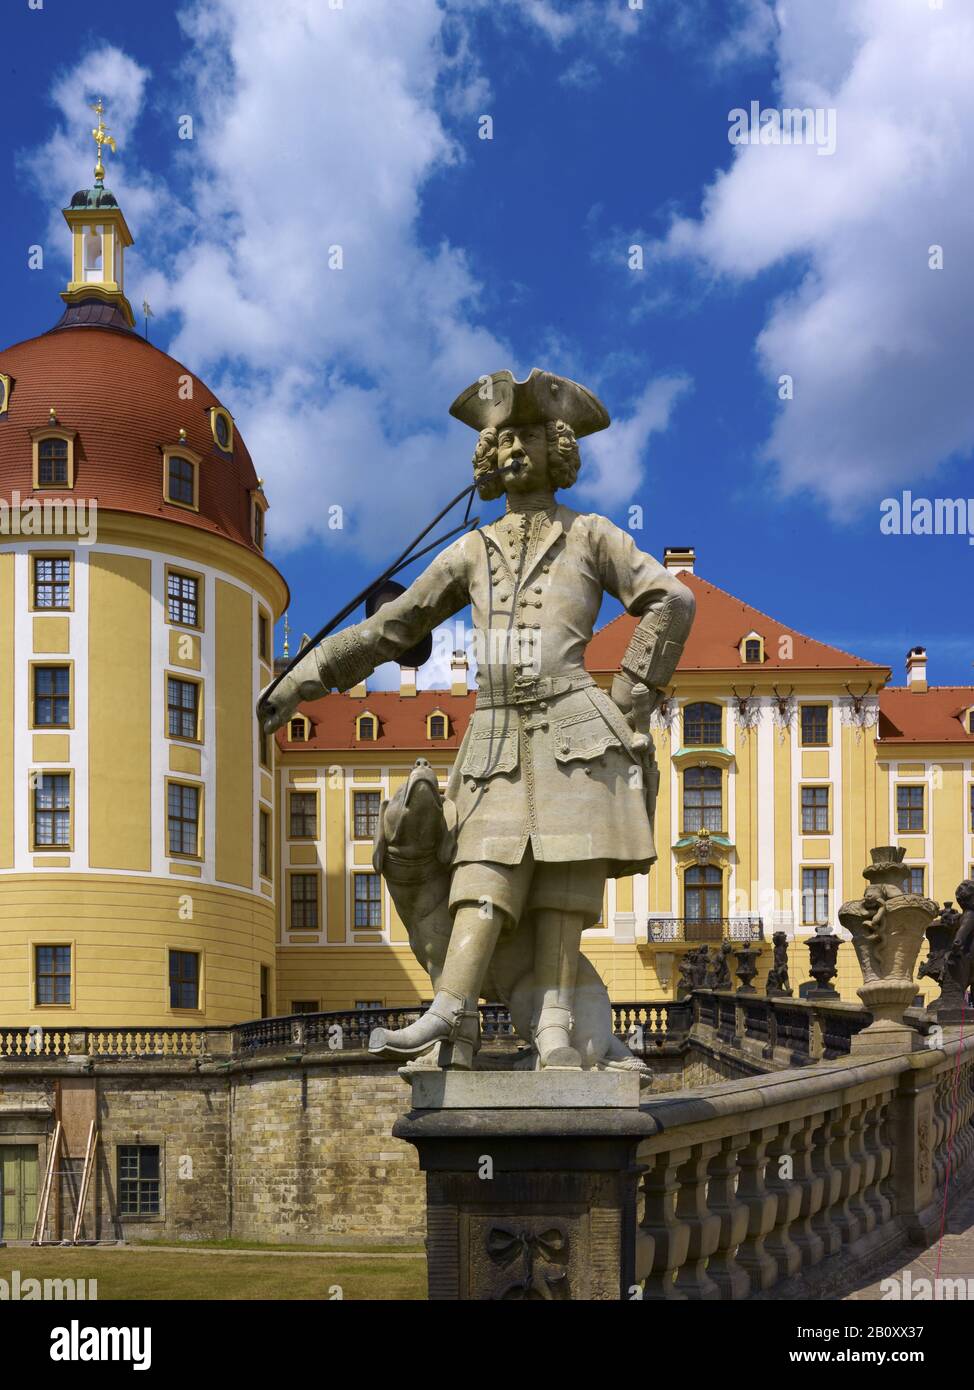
x,y
136,629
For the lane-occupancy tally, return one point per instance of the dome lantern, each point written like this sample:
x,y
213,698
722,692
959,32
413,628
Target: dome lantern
x,y
99,237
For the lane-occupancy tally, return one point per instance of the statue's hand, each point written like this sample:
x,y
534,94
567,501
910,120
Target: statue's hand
x,y
301,683
637,702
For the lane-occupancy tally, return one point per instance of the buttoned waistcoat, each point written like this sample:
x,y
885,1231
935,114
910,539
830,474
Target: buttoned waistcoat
x,y
547,758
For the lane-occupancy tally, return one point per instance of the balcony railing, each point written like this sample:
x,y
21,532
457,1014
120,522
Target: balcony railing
x,y
746,928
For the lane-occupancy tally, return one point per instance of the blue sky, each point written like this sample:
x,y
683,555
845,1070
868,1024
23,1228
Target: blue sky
x,y
358,126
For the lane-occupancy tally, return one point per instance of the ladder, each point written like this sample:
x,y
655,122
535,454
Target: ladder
x,y
40,1225
89,1167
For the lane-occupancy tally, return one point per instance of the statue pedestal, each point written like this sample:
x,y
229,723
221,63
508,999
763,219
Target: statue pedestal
x,y
531,1183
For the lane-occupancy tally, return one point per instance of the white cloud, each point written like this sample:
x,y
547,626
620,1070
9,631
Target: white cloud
x,y
318,128
613,462
876,342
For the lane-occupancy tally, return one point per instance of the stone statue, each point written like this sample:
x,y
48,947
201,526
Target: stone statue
x,y
951,959
685,982
778,983
721,976
887,927
554,786
700,967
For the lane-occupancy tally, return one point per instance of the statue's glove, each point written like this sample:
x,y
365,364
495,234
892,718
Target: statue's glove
x,y
302,682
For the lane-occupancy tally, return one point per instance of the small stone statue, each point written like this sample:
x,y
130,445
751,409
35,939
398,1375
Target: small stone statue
x,y
701,962
685,983
960,958
721,976
951,959
778,983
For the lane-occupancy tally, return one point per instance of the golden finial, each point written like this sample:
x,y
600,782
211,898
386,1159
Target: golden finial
x,y
101,138
182,436
52,416
287,633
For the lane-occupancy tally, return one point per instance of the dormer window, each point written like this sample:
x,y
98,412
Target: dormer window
x,y
437,725
298,729
752,649
366,727
258,506
967,720
4,393
181,477
221,427
53,457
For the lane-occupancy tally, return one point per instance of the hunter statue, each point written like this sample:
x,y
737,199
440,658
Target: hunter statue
x,y
554,785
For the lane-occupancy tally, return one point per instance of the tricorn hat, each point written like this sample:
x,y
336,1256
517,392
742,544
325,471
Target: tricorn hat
x,y
495,401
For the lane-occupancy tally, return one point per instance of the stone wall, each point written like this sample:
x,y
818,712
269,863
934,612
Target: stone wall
x,y
313,1155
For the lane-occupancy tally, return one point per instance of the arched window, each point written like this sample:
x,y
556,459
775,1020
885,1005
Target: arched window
x,y
753,650
702,893
436,726
702,723
366,728
702,809
94,247
298,730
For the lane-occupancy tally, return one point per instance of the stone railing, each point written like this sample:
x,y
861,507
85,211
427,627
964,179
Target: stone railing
x,y
748,1183
775,1032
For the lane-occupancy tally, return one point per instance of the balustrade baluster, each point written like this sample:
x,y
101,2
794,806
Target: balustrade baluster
x,y
876,1140
692,1277
761,1204
866,1161
811,1247
781,1183
843,1215
671,1236
732,1281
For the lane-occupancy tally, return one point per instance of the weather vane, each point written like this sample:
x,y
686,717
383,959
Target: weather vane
x,y
101,138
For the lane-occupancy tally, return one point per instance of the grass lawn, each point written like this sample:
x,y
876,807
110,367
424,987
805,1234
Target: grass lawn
x,y
145,1273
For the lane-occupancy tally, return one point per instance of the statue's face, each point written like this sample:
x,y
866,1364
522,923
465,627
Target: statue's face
x,y
526,446
965,894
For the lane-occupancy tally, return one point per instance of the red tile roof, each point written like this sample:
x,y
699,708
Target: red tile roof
x,y
928,716
402,721
122,395
721,621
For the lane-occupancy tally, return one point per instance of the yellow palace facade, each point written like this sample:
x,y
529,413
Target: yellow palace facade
x,y
163,865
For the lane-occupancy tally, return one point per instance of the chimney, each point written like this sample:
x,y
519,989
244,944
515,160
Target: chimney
x,y
407,680
679,558
916,669
358,691
458,674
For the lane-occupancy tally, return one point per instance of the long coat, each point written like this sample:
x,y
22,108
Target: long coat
x,y
547,757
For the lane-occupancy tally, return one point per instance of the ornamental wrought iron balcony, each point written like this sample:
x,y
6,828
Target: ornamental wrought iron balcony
x,y
693,929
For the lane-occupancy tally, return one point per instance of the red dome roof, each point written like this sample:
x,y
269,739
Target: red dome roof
x,y
122,396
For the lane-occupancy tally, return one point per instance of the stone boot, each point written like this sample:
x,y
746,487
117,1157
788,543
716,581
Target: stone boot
x,y
446,1021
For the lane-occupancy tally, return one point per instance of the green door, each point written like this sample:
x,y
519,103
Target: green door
x,y
18,1191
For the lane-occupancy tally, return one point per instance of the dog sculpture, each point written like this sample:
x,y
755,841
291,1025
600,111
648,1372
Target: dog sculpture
x,y
414,844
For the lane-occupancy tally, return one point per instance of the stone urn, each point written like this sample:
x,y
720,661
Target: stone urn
x,y
747,967
823,950
888,928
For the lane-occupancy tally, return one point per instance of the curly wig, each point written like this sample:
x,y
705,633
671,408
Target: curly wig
x,y
564,459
